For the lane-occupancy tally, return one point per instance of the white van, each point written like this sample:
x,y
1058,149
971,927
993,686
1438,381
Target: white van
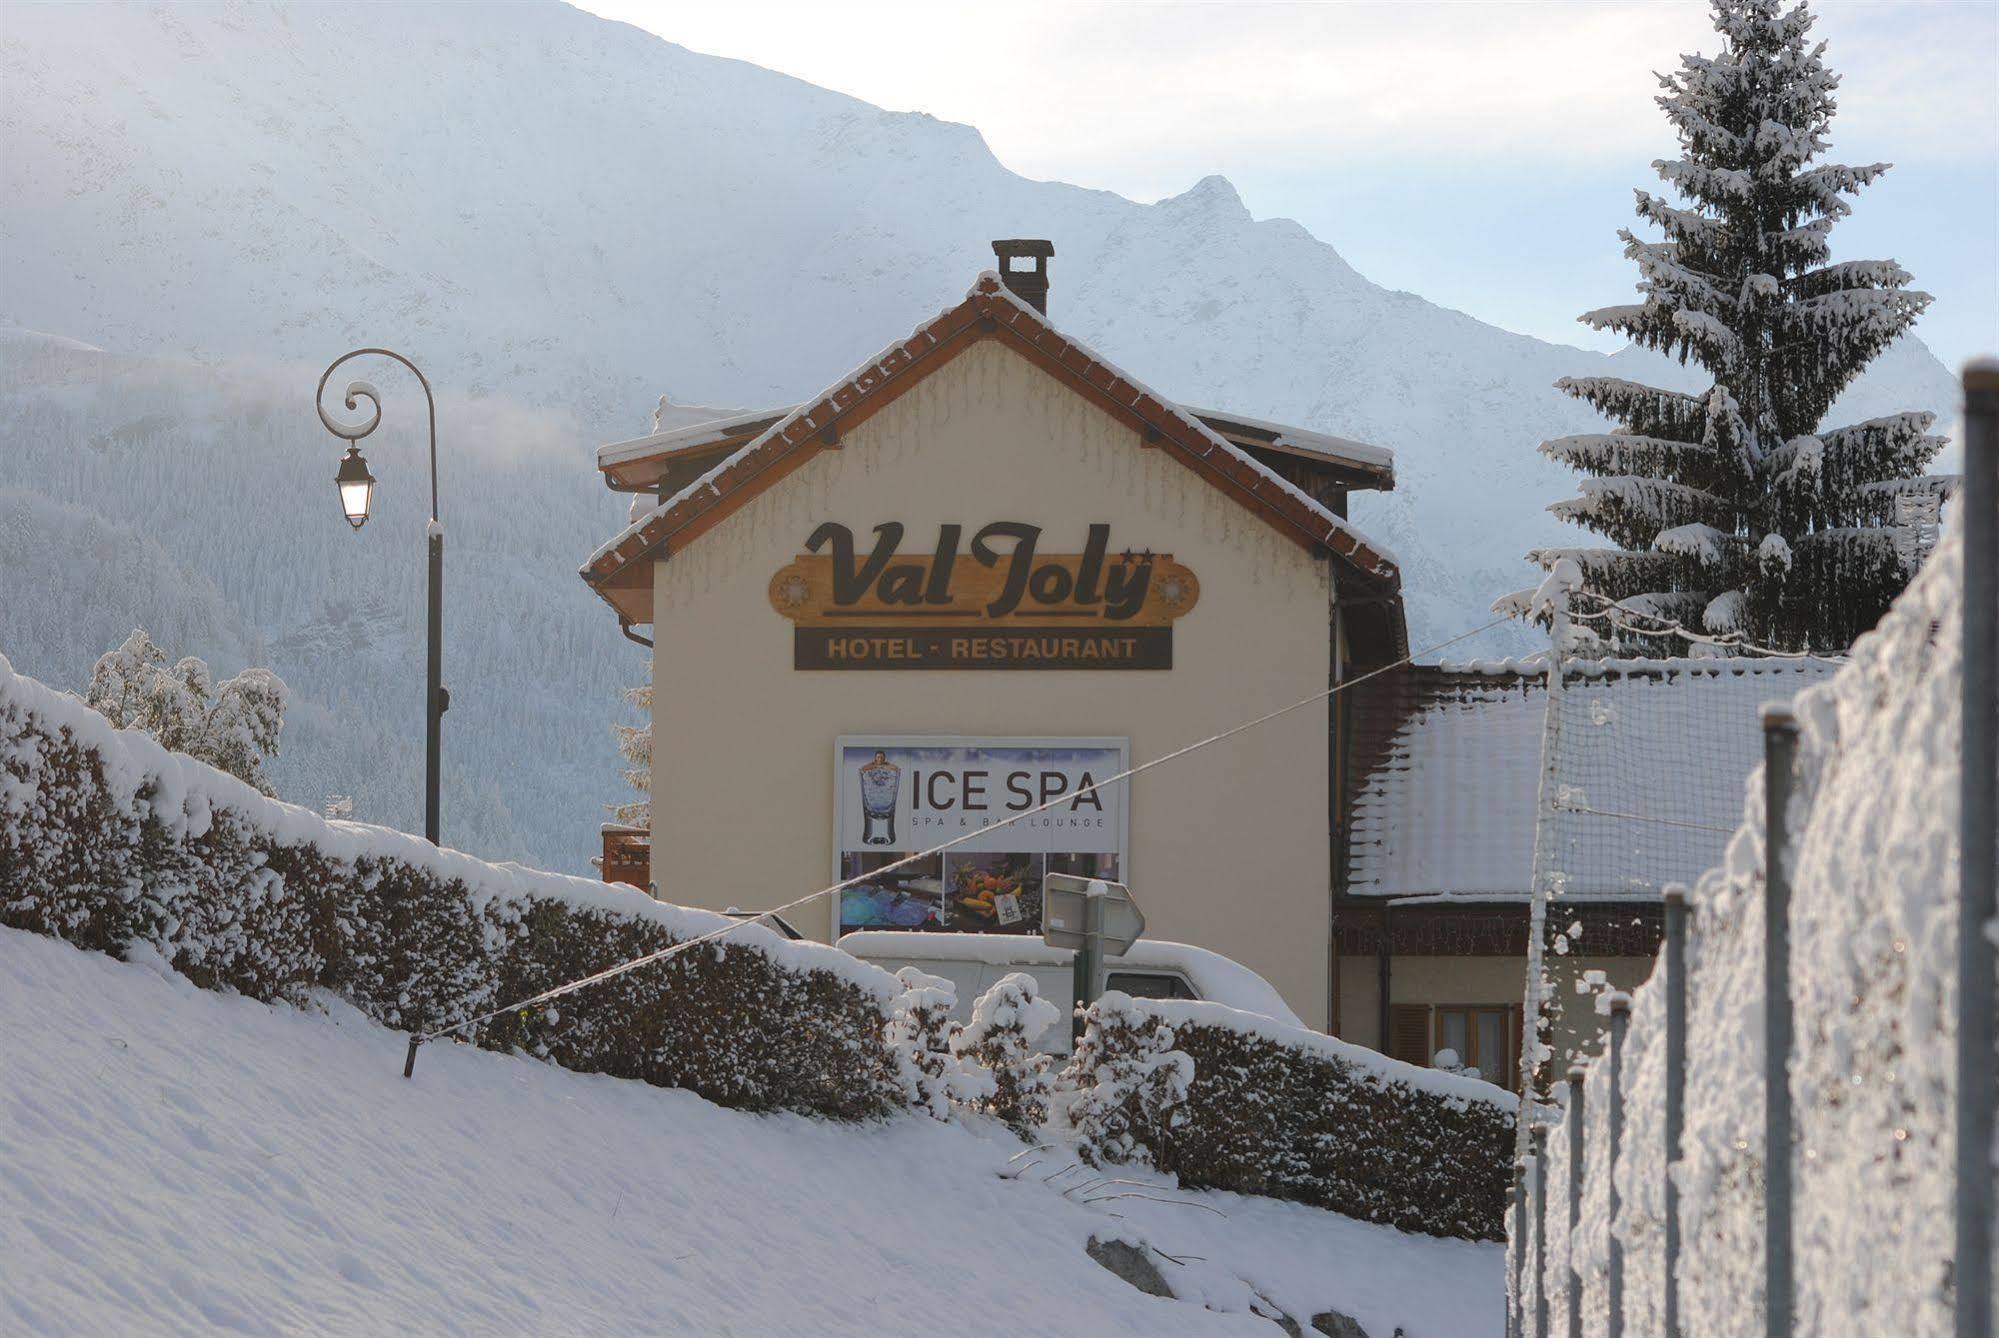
x,y
1151,970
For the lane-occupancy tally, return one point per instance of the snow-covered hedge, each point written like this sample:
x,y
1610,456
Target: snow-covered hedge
x,y
108,840
1295,1114
1873,962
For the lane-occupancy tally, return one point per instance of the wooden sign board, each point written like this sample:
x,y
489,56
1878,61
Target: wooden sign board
x,y
980,605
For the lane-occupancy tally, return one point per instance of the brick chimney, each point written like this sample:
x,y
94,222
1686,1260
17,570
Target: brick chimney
x,y
1029,285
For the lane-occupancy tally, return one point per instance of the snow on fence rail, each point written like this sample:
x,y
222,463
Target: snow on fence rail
x,y
1873,839
107,839
1290,1113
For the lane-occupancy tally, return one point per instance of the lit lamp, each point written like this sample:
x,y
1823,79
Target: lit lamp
x,y
356,486
357,493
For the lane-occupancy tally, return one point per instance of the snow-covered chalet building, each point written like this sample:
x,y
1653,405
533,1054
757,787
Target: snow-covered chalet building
x,y
982,569
988,568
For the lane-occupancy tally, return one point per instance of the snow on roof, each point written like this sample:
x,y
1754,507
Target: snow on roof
x,y
1344,448
707,479
1651,760
681,427
818,413
985,949
1215,978
688,430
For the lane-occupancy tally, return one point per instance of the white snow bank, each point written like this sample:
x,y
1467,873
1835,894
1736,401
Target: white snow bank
x,y
180,1162
1436,1082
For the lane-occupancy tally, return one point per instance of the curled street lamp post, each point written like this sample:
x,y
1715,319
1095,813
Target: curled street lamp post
x,y
357,488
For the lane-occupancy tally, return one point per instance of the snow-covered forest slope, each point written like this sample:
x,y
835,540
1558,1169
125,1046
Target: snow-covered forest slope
x,y
561,218
268,1170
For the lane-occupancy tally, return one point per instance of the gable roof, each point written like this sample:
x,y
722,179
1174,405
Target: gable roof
x,y
1650,763
663,457
620,571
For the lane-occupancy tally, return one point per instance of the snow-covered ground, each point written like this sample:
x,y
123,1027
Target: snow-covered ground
x,y
176,1161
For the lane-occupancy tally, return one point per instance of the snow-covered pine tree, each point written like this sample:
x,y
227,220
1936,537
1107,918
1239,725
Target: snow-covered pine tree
x,y
635,746
1730,511
1131,1084
1002,1073
232,725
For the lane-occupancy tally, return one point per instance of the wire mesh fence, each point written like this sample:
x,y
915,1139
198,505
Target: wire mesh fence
x,y
1651,760
1635,792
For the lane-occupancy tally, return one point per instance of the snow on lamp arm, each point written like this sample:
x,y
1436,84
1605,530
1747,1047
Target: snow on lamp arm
x,y
357,487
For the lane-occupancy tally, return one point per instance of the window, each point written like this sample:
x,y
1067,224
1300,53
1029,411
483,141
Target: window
x,y
1148,985
1483,1037
1409,1033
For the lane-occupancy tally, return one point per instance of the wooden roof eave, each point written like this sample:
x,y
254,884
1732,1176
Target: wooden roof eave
x,y
984,314
647,472
1352,476
629,592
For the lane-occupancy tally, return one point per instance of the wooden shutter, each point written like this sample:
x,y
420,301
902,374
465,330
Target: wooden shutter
x,y
1409,1033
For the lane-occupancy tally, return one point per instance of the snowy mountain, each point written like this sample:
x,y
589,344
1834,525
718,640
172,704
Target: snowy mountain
x,y
561,218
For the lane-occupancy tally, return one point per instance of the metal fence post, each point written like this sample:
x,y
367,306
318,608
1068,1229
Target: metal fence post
x,y
1576,1074
1676,1088
1620,1020
1979,815
1540,1137
1519,1247
1780,751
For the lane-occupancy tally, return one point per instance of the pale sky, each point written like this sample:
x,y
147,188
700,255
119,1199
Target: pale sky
x,y
1482,155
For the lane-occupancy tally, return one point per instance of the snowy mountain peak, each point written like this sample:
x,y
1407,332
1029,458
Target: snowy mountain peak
x,y
1213,194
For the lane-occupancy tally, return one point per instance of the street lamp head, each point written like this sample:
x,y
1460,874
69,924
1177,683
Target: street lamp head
x,y
357,486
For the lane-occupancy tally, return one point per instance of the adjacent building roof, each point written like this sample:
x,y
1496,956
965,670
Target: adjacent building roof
x,y
1650,761
719,426
621,570
1375,461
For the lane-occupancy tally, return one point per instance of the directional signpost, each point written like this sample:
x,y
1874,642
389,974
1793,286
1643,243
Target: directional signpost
x,y
1094,918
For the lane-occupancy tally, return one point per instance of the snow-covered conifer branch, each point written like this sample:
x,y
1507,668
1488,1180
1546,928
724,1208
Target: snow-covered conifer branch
x,y
1734,487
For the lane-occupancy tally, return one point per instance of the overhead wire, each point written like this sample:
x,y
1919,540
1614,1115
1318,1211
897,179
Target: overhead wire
x,y
1611,610
1562,806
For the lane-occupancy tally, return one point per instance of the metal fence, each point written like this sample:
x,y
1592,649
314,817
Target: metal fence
x,y
1828,992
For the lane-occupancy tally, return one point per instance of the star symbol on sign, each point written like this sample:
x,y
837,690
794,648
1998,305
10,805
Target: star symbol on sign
x,y
1125,557
1146,556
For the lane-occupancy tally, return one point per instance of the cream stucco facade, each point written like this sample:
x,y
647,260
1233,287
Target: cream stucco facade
x,y
1229,847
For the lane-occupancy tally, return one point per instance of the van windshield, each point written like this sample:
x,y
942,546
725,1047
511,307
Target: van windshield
x,y
1148,985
